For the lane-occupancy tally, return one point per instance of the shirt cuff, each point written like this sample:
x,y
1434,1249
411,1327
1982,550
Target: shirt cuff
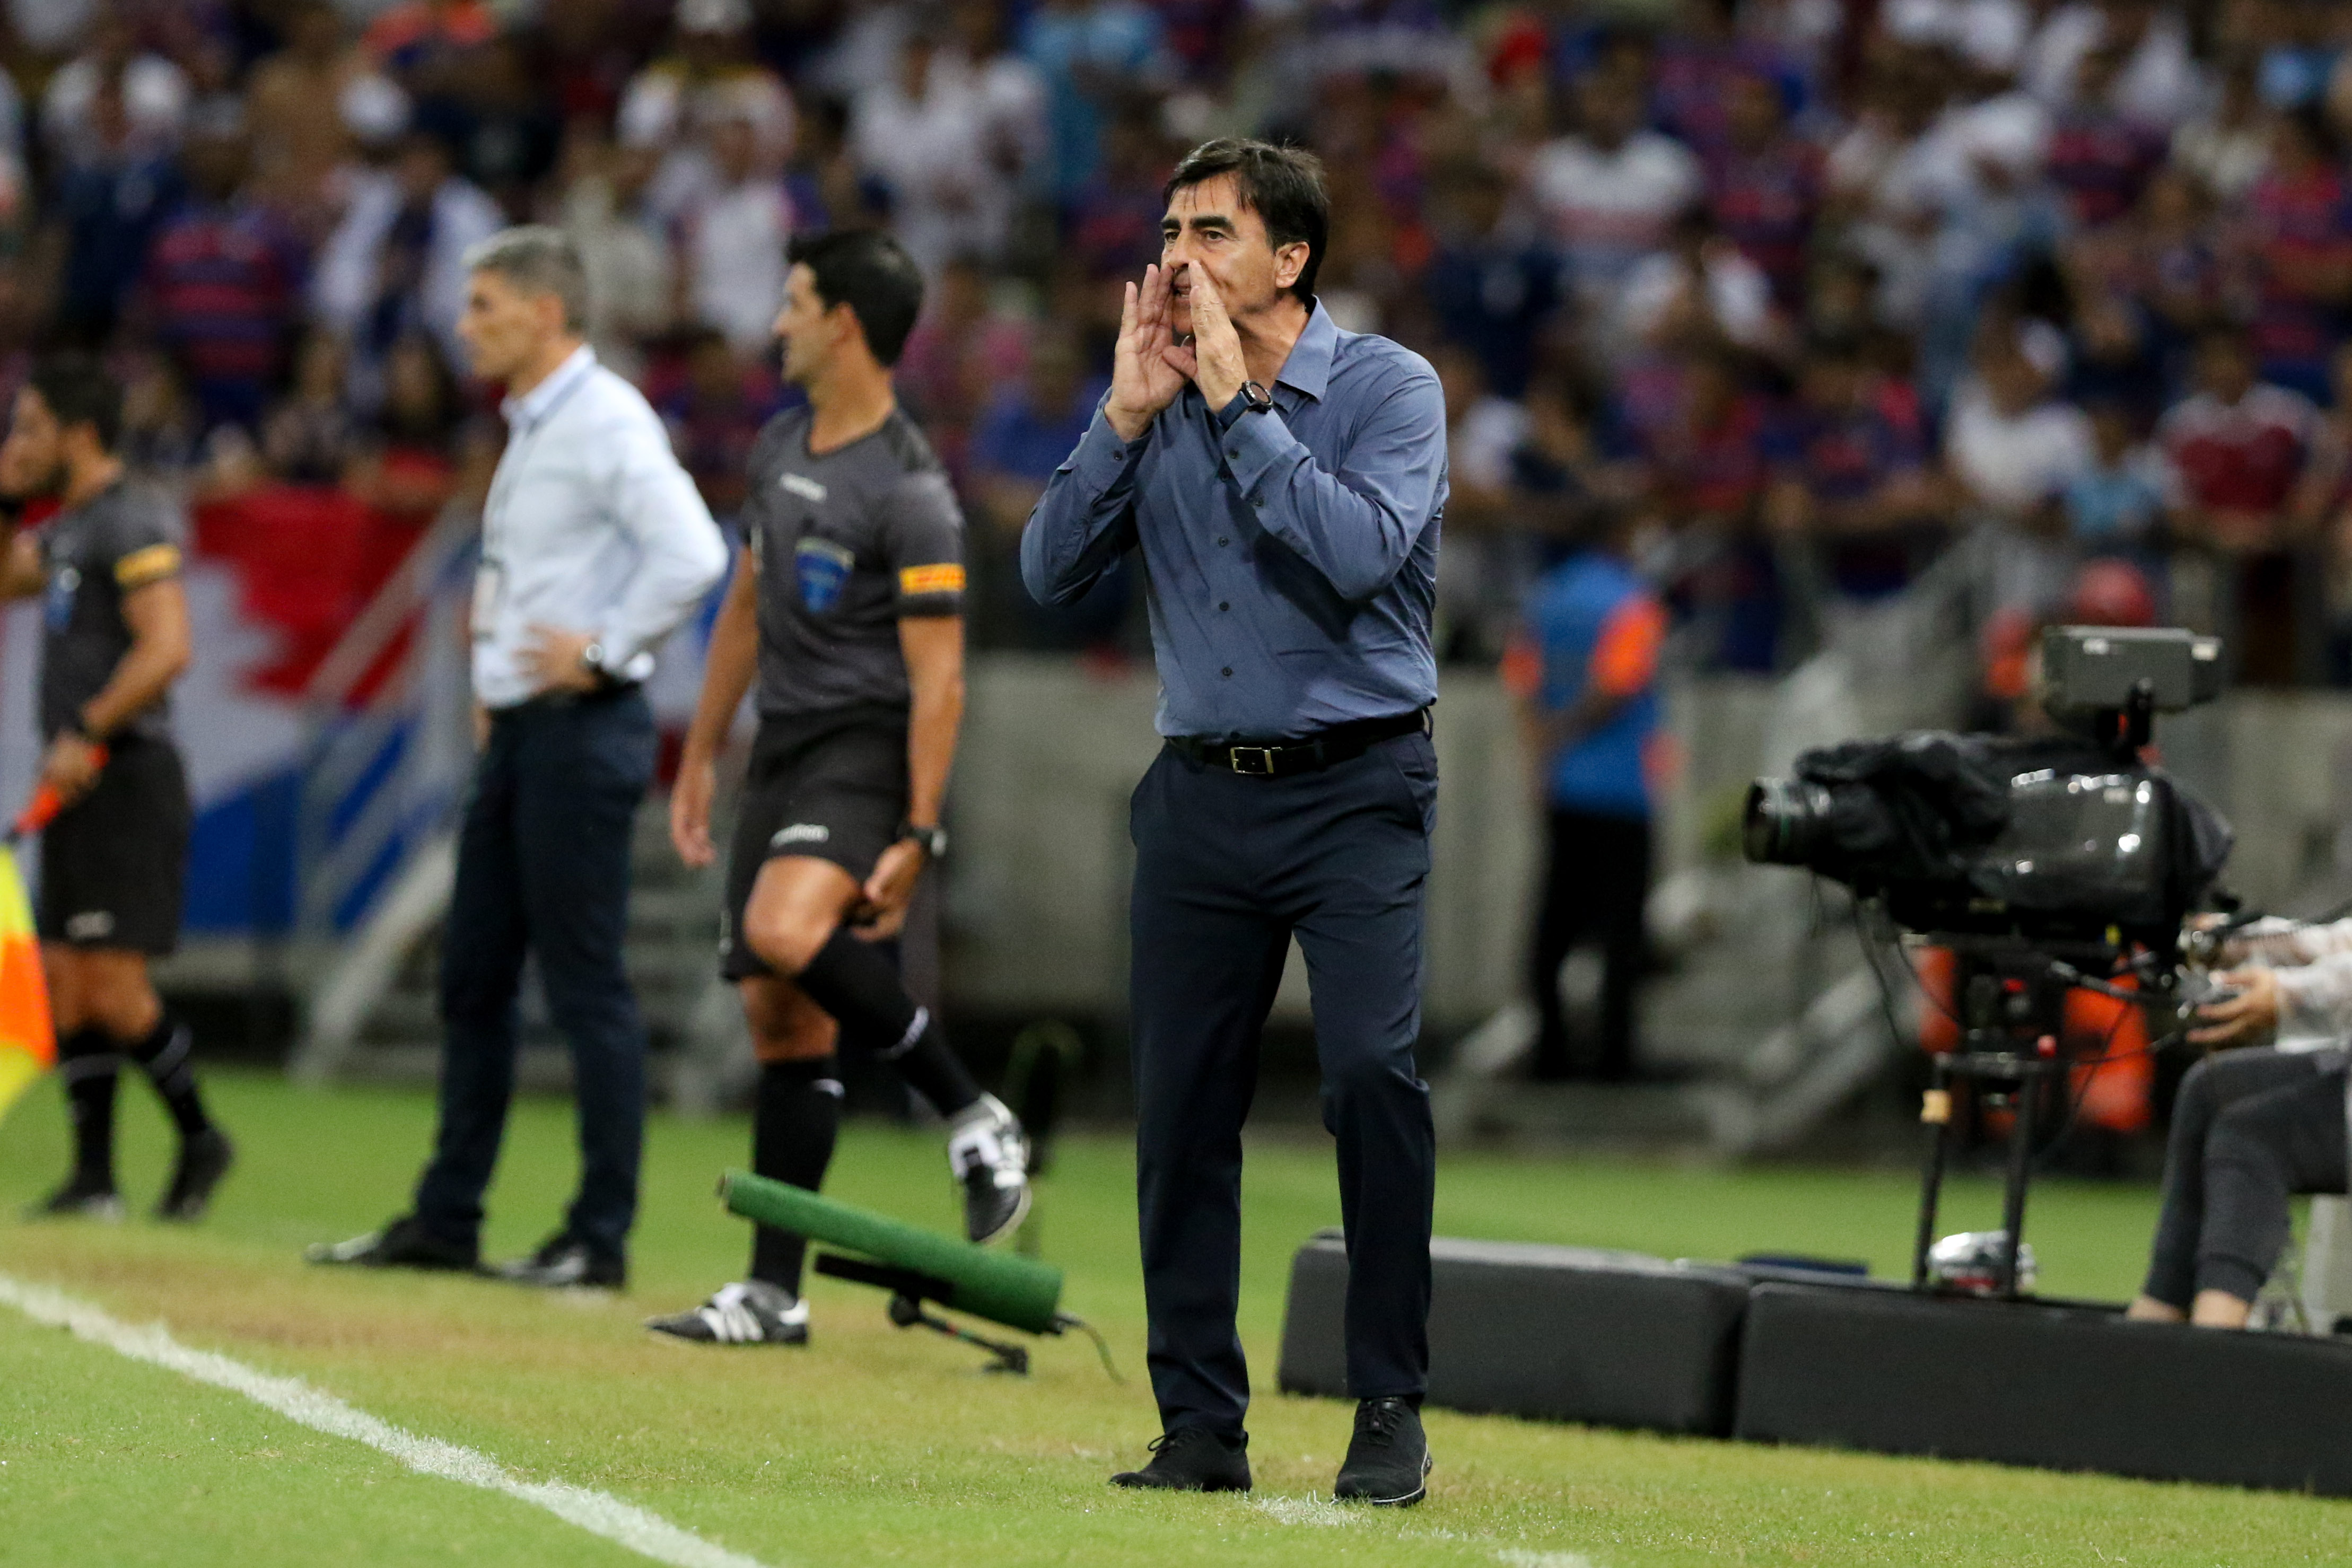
x,y
1255,446
1101,457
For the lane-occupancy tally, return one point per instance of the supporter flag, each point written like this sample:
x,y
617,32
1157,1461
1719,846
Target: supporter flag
x,y
28,1046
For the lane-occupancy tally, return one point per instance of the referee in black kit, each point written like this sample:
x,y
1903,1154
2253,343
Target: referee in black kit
x,y
1282,480
114,861
595,546
849,612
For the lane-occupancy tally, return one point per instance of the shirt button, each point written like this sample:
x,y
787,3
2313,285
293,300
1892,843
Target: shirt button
x,y
1221,604
1229,670
1233,451
1222,539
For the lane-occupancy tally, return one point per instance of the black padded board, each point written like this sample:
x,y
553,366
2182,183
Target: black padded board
x,y
2062,1388
1563,1333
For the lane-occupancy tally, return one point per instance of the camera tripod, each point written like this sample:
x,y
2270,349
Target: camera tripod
x,y
2010,997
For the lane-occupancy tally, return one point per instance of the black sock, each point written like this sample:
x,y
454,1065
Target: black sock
x,y
165,1054
792,1127
862,990
88,1063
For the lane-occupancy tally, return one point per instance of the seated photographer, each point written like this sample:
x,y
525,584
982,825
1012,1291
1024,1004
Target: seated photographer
x,y
2252,1127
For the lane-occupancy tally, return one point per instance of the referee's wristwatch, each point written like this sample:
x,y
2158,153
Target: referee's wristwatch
x,y
934,840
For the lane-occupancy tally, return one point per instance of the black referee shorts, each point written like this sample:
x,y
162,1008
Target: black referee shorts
x,y
831,786
114,865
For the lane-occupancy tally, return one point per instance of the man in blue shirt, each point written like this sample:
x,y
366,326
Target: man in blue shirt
x,y
1282,481
1584,671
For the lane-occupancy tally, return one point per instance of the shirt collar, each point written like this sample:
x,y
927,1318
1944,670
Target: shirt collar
x,y
1308,368
534,405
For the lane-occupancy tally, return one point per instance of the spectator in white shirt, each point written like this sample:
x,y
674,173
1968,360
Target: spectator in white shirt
x,y
1608,194
595,546
733,231
921,132
154,96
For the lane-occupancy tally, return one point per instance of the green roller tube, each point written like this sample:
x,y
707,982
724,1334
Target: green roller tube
x,y
1019,1292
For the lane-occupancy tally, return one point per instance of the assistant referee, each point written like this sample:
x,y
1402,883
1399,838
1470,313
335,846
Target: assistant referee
x,y
1282,480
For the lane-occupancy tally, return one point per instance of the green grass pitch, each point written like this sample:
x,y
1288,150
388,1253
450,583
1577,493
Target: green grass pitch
x,y
875,1446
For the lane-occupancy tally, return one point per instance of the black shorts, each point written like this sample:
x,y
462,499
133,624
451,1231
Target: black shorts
x,y
114,866
830,785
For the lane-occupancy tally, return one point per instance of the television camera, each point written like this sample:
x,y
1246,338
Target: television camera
x,y
2042,864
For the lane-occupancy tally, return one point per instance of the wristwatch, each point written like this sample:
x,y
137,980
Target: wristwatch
x,y
934,840
1255,399
591,662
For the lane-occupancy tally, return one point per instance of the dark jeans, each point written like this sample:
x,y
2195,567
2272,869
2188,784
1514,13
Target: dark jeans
x,y
1227,870
2250,1129
544,868
1596,882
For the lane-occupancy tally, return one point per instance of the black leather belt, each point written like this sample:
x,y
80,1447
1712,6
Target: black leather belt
x,y
1308,754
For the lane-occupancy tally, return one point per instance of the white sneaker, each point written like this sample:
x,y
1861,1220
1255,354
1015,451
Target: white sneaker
x,y
989,1153
751,1311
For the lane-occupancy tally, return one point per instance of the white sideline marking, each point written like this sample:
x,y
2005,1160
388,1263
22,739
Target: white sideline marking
x,y
1514,1558
599,1513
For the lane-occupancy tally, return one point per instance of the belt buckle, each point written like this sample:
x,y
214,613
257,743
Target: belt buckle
x,y
1264,754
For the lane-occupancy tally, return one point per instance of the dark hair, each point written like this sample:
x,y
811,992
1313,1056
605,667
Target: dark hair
x,y
871,273
1283,186
78,391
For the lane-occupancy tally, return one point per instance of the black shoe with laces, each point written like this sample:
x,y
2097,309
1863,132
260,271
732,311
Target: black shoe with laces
x,y
1193,1459
82,1196
563,1260
1388,1459
403,1243
205,1158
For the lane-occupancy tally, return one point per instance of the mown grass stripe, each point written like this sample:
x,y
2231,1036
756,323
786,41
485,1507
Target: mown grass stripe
x,y
599,1513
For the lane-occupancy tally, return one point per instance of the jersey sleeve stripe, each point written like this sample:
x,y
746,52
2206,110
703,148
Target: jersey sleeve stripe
x,y
153,564
946,577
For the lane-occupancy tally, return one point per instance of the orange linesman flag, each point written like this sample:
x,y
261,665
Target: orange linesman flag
x,y
28,1046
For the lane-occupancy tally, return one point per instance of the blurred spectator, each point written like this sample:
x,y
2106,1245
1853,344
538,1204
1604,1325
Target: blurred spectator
x,y
2157,81
1583,670
2116,504
1091,55
1850,472
1764,185
2237,447
1490,288
421,42
1483,560
714,408
310,437
107,207
2227,147
2010,445
302,102
224,281
924,133
632,290
960,355
1610,190
734,226
395,265
408,469
2305,37
114,100
1028,430
1112,224
1698,288
2099,156
709,72
2298,238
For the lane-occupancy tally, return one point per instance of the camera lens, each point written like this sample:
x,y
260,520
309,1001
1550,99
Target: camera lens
x,y
1786,821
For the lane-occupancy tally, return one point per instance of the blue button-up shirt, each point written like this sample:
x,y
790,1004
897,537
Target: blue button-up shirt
x,y
1290,556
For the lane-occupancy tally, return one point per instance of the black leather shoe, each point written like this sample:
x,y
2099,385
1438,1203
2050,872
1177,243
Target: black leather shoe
x,y
562,1261
1193,1459
402,1244
81,1197
1388,1459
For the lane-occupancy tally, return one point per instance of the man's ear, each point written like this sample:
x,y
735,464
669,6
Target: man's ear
x,y
1289,261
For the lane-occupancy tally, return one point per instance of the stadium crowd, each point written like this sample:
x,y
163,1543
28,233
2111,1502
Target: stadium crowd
x,y
1809,288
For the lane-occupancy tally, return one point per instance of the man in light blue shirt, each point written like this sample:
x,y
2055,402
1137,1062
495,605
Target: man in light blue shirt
x,y
1282,481
595,546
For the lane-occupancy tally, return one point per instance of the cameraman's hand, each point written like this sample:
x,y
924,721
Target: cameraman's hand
x,y
2250,1016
